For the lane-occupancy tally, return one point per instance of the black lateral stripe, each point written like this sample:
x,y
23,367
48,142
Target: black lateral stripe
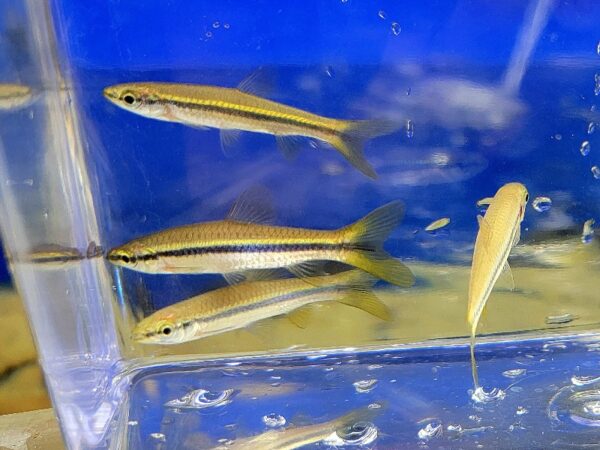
x,y
54,259
255,248
252,115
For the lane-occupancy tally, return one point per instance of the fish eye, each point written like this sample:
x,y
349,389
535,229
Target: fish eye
x,y
166,330
125,259
526,197
129,98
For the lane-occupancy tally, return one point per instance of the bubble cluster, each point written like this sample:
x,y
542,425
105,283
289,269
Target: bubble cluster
x,y
274,420
201,398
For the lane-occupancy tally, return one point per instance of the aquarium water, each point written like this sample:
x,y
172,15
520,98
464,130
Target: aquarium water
x,y
481,93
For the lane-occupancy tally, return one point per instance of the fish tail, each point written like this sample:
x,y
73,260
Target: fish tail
x,y
359,294
352,137
364,245
365,414
474,373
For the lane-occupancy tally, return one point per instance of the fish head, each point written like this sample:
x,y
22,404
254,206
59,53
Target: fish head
x,y
518,192
159,329
15,96
134,256
139,98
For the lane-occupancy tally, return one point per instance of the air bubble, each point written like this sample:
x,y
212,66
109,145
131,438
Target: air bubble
x,y
358,434
216,24
201,398
591,128
396,28
382,15
521,410
274,420
364,386
208,34
158,436
596,84
575,409
410,129
481,396
226,26
430,431
514,373
584,381
585,148
541,204
596,172
598,48
330,72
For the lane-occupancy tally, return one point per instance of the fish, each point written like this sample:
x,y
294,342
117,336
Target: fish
x,y
238,109
55,255
238,306
437,224
14,96
245,241
499,232
293,437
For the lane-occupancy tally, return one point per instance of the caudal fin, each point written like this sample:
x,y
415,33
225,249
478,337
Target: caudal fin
x,y
364,241
357,293
351,140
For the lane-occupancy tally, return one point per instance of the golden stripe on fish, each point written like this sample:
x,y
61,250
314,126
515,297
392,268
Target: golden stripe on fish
x,y
233,110
250,113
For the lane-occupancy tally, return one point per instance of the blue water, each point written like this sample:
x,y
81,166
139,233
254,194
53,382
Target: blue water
x,y
439,69
551,401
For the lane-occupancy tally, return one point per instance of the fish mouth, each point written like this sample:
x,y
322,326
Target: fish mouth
x,y
110,94
141,337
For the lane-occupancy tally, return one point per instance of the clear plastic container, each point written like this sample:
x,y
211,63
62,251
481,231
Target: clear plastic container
x,y
481,95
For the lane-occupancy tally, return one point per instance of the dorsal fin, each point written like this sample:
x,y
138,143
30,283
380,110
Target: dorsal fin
x,y
254,205
485,201
258,83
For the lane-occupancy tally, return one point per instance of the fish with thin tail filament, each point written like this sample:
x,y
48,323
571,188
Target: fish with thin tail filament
x,y
245,242
499,232
241,305
238,109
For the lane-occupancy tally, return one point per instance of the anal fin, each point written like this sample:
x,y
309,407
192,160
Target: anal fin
x,y
289,145
301,316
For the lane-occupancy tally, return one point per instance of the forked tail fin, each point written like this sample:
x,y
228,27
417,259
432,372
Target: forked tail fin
x,y
364,242
351,140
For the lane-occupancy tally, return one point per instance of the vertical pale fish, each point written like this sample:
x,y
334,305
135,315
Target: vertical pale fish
x,y
234,110
499,231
